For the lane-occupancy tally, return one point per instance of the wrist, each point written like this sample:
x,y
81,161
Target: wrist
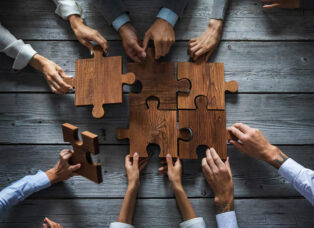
x,y
37,62
271,153
223,204
176,186
133,186
75,20
276,157
52,176
215,23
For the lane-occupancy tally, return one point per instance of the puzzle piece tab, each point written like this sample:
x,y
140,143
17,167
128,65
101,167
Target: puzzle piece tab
x,y
208,129
207,79
82,150
149,125
99,81
157,80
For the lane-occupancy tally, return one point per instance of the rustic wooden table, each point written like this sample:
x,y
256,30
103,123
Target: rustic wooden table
x,y
270,54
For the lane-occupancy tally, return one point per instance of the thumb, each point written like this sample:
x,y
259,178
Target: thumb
x,y
169,161
74,168
135,160
146,40
228,166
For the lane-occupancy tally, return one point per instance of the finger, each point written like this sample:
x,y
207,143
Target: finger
x,y
206,168
102,42
210,161
163,170
87,44
228,166
195,48
216,158
57,87
63,152
47,220
146,40
242,127
200,52
275,5
177,163
237,133
45,226
192,40
66,156
64,75
157,49
135,160
169,161
74,168
169,45
142,165
237,145
127,161
64,87
208,55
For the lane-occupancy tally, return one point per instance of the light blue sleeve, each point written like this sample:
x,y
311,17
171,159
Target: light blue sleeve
x,y
21,189
193,223
120,225
301,178
227,220
168,15
121,20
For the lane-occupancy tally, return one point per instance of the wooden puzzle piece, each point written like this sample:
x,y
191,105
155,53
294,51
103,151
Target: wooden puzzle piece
x,y
82,150
157,80
99,81
149,125
207,79
208,129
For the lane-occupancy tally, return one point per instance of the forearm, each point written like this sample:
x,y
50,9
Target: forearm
x,y
128,206
184,204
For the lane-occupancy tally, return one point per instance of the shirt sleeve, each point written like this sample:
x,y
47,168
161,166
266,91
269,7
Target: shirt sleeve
x,y
301,178
120,20
227,220
66,8
193,223
219,9
168,15
120,225
21,53
21,189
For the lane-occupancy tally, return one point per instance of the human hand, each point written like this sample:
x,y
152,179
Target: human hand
x,y
131,43
254,143
53,73
51,224
133,169
62,170
163,35
173,170
285,4
207,42
85,34
218,175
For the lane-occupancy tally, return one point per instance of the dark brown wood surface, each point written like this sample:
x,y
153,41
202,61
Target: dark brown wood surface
x,y
82,150
99,81
208,129
157,80
149,125
206,79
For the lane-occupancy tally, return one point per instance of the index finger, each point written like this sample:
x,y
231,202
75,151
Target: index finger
x,y
216,158
102,42
242,127
237,133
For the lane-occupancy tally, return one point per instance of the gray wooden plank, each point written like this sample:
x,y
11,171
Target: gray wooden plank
x,y
252,178
156,213
283,67
246,20
37,118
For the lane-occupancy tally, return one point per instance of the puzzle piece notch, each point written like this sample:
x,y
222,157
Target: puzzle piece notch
x,y
99,80
150,125
208,129
158,80
207,79
82,150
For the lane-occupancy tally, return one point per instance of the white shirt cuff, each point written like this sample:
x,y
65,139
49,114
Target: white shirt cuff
x,y
120,225
67,8
21,52
121,20
168,15
227,220
290,170
193,223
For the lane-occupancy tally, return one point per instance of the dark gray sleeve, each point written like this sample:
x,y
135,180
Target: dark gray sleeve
x,y
176,6
307,4
111,9
219,9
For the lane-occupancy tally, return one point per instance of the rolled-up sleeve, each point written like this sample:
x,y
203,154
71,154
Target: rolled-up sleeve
x,y
21,53
66,8
120,225
193,223
227,220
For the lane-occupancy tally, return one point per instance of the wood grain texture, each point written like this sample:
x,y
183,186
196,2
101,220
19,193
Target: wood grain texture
x,y
208,129
149,125
158,80
99,81
207,79
82,149
260,213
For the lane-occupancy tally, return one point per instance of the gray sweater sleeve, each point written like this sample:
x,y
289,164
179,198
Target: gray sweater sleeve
x,y
176,6
307,4
219,9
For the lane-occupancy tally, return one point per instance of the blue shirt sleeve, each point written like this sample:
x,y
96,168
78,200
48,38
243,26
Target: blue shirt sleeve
x,y
168,15
121,20
21,189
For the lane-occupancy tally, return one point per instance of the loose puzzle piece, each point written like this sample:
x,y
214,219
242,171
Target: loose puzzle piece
x,y
208,129
99,81
157,80
82,150
207,79
149,125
